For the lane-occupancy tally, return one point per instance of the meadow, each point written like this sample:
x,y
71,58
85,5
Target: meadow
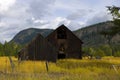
x,y
107,68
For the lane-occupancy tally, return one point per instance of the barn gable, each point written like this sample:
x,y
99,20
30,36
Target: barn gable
x,y
38,49
67,44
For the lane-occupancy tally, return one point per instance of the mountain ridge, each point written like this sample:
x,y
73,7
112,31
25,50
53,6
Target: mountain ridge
x,y
90,35
25,36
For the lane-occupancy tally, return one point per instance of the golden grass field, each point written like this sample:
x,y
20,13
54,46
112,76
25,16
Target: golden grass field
x,y
67,69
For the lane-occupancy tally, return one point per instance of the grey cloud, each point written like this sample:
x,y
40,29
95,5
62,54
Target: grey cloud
x,y
23,11
40,8
99,17
8,32
7,35
79,14
74,25
40,24
29,21
36,22
19,16
62,22
1,17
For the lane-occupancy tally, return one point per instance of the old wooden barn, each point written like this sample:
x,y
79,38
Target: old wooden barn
x,y
67,44
38,49
59,44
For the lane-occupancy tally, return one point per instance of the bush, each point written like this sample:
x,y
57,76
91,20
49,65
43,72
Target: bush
x,y
117,54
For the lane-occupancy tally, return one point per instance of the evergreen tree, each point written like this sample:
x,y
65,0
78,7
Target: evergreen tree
x,y
115,11
1,49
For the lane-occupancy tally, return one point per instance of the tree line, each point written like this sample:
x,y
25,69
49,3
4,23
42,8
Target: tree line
x,y
9,49
102,50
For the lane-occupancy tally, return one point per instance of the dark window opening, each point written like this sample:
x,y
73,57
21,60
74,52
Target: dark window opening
x,y
61,56
61,34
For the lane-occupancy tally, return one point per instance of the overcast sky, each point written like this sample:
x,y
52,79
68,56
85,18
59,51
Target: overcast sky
x,y
16,15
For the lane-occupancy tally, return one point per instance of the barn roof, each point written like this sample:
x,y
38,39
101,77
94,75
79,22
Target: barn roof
x,y
64,27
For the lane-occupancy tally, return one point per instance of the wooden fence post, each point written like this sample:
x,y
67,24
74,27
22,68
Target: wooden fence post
x,y
12,64
46,62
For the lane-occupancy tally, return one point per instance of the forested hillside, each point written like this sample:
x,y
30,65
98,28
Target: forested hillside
x,y
91,35
25,36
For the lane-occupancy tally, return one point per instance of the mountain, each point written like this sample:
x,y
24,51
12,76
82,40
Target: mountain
x,y
25,36
90,35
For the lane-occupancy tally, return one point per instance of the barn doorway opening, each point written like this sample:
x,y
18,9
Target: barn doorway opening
x,y
61,56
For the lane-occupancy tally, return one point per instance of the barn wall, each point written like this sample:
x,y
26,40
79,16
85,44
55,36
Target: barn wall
x,y
40,49
72,43
74,46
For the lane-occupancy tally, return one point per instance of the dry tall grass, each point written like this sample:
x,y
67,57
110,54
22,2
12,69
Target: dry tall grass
x,y
67,69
